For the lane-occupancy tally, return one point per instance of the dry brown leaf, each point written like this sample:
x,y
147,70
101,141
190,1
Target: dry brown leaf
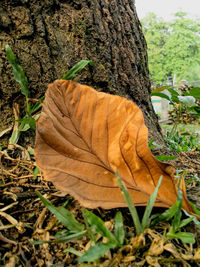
x,y
152,261
84,136
197,255
174,251
156,247
137,242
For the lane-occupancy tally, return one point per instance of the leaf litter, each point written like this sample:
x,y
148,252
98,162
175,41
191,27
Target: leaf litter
x,y
24,219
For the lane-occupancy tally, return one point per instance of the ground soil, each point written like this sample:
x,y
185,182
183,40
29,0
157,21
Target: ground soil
x,y
48,38
24,219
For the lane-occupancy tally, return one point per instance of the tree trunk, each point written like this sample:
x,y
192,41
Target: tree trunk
x,y
50,36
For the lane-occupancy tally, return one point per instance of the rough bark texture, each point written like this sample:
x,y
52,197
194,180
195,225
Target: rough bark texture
x,y
50,36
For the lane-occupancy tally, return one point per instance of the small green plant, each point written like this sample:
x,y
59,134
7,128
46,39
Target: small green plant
x,y
76,69
153,145
175,212
146,220
192,178
29,120
36,172
93,226
186,107
115,239
165,157
181,141
184,102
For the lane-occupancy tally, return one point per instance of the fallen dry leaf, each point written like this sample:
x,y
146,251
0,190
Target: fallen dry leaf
x,y
84,136
197,255
156,247
152,261
174,251
138,241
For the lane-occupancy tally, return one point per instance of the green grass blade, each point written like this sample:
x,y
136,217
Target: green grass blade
x,y
74,251
71,237
167,214
67,202
178,214
63,215
18,72
27,120
195,208
185,222
195,220
152,144
36,172
99,226
183,236
174,95
70,222
195,92
86,265
162,95
14,137
177,219
65,239
130,204
119,228
26,127
76,69
31,151
160,89
16,134
89,230
149,207
40,242
37,105
165,157
95,252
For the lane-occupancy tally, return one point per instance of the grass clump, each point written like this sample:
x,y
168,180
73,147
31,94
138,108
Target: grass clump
x,y
93,227
31,116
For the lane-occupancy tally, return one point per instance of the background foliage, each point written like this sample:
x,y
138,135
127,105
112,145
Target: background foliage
x,y
173,47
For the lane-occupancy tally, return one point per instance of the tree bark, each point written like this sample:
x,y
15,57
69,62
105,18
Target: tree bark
x,y
50,36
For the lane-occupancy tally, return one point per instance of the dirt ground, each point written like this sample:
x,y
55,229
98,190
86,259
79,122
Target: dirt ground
x,y
24,219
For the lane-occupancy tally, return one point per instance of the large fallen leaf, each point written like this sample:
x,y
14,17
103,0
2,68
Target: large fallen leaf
x,y
84,136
